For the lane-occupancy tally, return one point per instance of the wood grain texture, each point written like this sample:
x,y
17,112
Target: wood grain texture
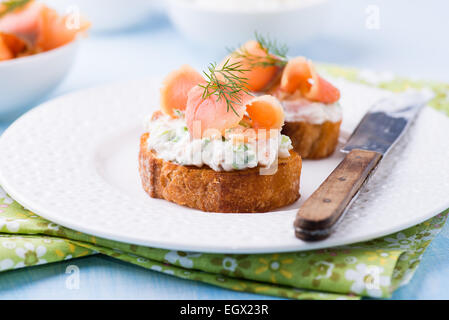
x,y
325,206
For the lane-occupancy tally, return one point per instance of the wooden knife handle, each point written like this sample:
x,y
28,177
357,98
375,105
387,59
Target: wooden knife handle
x,y
326,205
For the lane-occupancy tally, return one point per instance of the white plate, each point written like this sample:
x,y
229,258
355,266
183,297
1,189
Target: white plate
x,y
73,160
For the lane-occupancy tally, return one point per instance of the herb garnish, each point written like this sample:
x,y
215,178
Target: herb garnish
x,y
11,5
226,82
275,53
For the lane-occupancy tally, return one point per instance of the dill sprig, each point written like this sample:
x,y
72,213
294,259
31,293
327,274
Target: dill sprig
x,y
226,82
11,5
275,52
272,46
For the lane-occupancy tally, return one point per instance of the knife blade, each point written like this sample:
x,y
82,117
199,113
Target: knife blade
x,y
385,123
378,131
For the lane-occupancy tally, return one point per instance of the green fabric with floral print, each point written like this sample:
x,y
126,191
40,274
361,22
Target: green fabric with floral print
x,y
374,268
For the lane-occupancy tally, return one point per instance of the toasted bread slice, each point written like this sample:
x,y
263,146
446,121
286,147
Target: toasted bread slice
x,y
313,141
237,191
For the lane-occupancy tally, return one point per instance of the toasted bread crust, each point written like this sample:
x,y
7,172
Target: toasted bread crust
x,y
240,191
313,141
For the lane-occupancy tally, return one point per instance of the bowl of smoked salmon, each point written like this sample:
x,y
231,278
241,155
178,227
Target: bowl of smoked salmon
x,y
37,48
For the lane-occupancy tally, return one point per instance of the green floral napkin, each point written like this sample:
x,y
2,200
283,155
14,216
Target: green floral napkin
x,y
374,268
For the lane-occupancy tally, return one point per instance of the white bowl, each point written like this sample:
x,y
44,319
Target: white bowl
x,y
109,15
25,80
224,26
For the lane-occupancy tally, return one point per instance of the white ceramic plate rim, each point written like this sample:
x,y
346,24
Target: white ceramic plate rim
x,y
224,248
330,242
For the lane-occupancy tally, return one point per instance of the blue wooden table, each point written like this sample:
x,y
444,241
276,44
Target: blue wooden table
x,y
410,42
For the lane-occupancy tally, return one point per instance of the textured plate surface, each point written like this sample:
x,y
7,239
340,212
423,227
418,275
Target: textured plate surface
x,y
73,160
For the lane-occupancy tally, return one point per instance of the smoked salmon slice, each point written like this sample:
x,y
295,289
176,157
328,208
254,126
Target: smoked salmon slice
x,y
15,44
41,26
55,30
265,112
11,46
175,88
296,75
211,113
22,21
322,91
211,117
5,52
300,74
250,56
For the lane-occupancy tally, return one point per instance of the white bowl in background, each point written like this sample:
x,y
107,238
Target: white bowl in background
x,y
110,15
217,26
25,80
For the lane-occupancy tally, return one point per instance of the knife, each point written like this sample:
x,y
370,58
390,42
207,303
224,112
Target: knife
x,y
377,132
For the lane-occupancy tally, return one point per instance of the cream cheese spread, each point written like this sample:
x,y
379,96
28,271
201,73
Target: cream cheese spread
x,y
170,139
312,112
